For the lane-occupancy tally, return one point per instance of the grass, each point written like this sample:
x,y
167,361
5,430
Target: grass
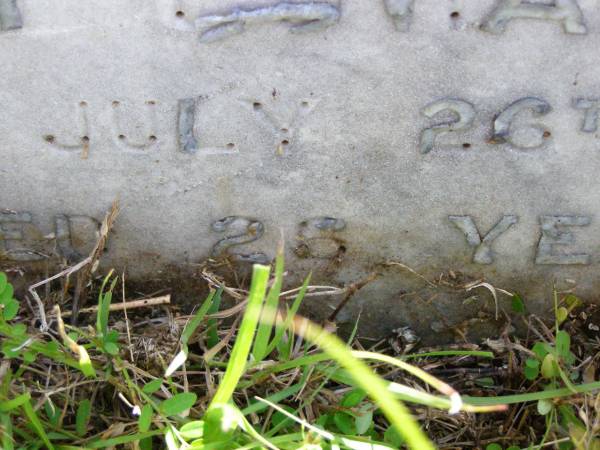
x,y
281,381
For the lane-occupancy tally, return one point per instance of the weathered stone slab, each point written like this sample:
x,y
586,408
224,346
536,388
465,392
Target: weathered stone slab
x,y
453,136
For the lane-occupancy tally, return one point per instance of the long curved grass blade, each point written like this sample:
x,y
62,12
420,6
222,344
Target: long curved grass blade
x,y
363,376
239,354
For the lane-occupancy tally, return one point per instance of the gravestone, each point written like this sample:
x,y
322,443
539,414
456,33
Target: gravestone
x,y
434,143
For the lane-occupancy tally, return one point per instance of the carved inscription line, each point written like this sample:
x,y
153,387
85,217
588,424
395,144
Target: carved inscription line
x,y
401,13
567,12
553,234
505,118
10,16
304,17
149,124
591,106
483,247
187,140
464,113
285,128
316,238
13,226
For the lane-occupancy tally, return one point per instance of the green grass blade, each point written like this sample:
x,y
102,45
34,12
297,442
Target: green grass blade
x,y
187,333
193,324
7,436
290,316
122,439
9,405
267,318
37,424
104,300
239,354
275,398
364,377
533,396
477,353
212,337
82,416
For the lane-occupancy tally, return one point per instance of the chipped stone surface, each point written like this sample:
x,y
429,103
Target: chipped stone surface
x,y
457,138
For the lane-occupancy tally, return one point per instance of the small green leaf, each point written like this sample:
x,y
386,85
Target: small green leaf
x,y
544,406
518,306
19,329
572,301
152,386
563,343
345,423
11,308
29,356
493,446
533,363
549,366
112,336
393,437
6,294
145,419
192,430
541,349
51,347
82,417
353,398
178,403
364,418
220,421
531,373
3,281
531,369
111,348
485,381
562,314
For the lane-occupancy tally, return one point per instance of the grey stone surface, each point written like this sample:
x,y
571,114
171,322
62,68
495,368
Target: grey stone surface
x,y
457,138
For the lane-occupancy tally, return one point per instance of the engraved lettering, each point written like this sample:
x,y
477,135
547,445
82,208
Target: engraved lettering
x,y
553,234
502,124
284,128
483,247
591,107
565,11
401,12
73,233
317,240
305,17
12,227
245,231
188,142
463,111
10,16
81,143
149,121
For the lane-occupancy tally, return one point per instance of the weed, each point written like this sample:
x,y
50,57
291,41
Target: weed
x,y
284,383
